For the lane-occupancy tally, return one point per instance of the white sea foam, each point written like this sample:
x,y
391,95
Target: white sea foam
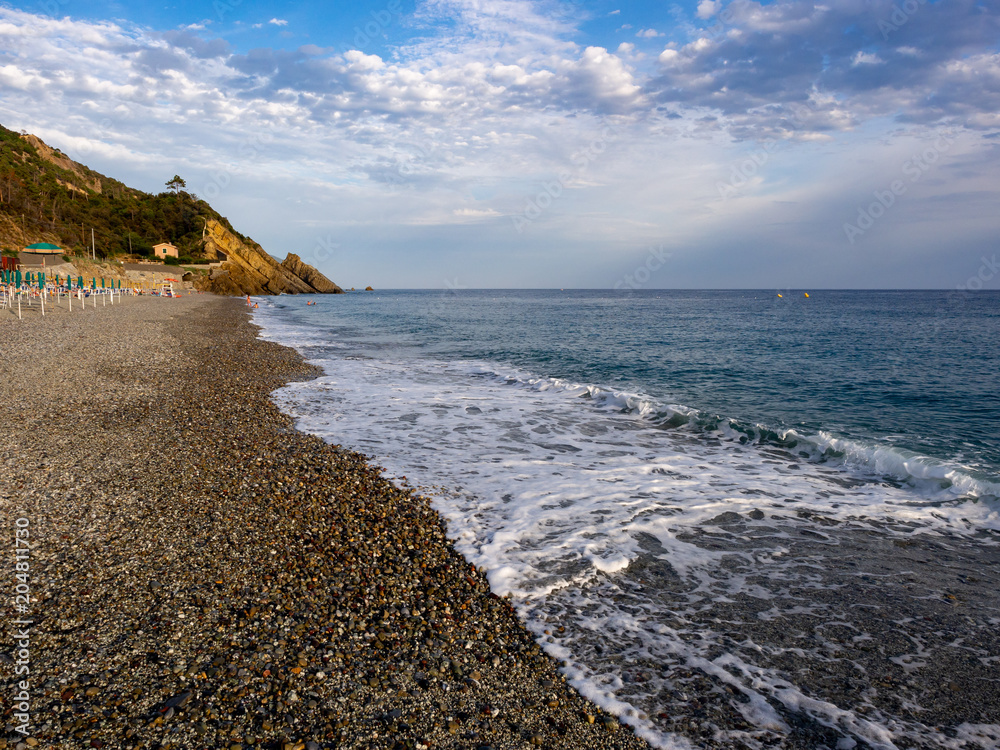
x,y
557,487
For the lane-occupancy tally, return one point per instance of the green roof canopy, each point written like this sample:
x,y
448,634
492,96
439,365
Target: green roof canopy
x,y
43,247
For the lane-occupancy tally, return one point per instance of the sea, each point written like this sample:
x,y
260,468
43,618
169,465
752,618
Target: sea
x,y
703,504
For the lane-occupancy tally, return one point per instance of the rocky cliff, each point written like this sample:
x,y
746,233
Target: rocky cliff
x,y
294,265
247,269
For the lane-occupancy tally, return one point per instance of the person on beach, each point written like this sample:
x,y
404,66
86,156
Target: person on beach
x,y
248,300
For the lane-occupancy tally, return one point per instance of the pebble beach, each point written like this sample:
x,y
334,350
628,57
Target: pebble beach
x,y
203,575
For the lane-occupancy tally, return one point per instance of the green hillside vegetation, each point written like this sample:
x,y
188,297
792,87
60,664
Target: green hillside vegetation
x,y
45,196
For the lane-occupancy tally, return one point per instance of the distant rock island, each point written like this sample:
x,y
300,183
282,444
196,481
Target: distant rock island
x,y
47,197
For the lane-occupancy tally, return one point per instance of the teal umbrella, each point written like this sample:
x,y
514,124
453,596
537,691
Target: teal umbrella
x,y
41,281
79,282
17,277
102,283
93,283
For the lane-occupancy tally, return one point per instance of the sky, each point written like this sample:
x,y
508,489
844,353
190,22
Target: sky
x,y
544,143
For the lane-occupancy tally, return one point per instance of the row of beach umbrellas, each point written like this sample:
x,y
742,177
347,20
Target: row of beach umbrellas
x,y
18,279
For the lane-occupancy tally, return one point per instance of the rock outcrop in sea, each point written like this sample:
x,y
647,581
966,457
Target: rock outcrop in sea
x,y
247,269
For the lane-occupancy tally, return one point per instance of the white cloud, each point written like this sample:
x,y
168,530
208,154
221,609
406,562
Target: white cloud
x,y
278,22
708,8
476,213
668,56
866,58
648,34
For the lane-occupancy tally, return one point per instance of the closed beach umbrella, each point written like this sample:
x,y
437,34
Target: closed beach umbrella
x,y
41,281
102,283
79,282
17,277
93,283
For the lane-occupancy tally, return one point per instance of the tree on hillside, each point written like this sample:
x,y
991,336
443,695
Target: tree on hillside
x,y
176,183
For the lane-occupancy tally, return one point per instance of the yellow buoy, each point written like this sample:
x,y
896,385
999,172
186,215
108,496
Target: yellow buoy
x,y
781,296
807,294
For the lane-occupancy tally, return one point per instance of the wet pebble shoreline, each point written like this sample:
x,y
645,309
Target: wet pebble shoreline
x,y
203,575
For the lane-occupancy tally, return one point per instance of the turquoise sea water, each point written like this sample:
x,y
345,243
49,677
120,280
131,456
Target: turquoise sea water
x,y
911,372
634,465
